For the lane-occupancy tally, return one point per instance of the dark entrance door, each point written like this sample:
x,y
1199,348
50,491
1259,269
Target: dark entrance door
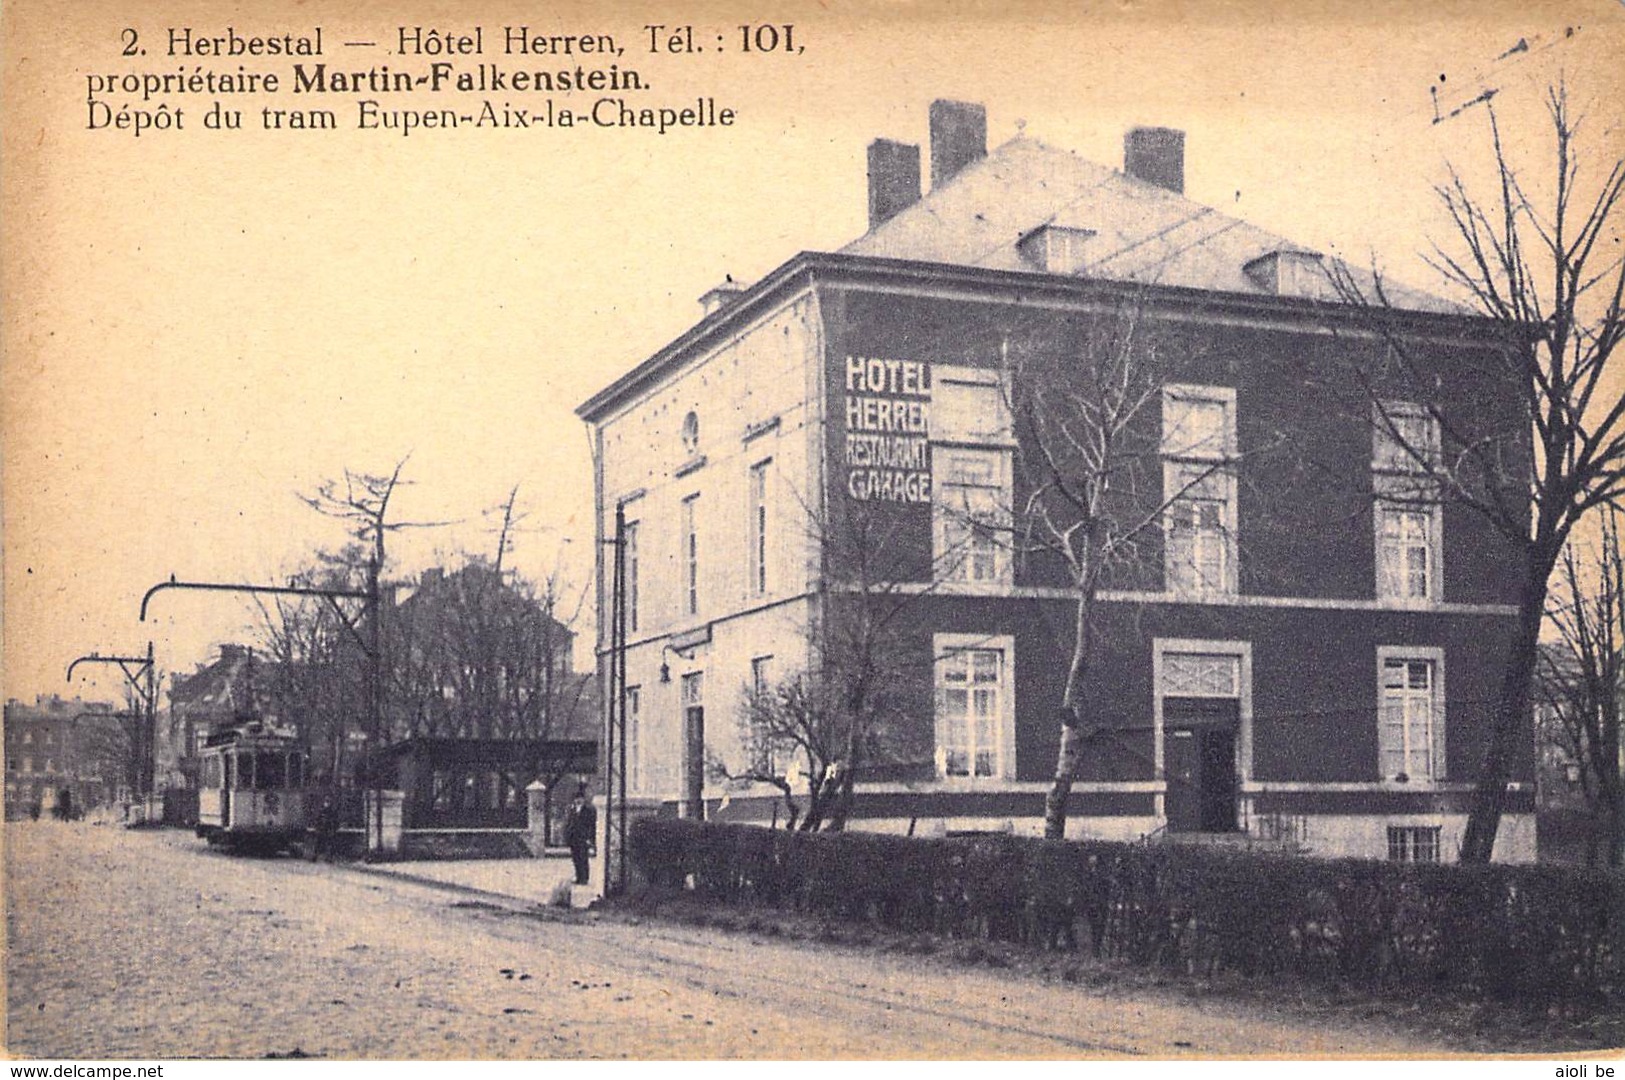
x,y
1199,761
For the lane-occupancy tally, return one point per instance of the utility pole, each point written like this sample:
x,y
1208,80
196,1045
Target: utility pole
x,y
142,676
615,811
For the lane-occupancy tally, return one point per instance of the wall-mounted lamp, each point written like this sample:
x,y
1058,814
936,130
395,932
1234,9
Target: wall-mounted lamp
x,y
665,668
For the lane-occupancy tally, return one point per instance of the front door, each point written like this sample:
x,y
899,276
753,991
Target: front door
x,y
1199,762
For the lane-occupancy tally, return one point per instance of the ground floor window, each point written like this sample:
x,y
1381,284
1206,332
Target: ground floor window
x,y
634,739
973,705
1413,843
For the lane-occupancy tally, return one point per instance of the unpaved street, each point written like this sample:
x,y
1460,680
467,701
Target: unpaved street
x,y
144,945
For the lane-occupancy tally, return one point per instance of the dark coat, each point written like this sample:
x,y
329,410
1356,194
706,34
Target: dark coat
x,y
581,824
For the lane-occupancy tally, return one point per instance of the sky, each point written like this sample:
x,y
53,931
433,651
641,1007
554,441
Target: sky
x,y
200,325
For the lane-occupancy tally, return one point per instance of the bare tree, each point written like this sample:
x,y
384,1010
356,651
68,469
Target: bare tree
x,y
362,500
1111,486
847,711
477,655
1580,678
316,672
1547,275
107,745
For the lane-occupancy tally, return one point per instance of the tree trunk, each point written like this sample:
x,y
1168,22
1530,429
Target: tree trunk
x,y
816,802
1512,716
843,791
1066,767
1070,754
1610,805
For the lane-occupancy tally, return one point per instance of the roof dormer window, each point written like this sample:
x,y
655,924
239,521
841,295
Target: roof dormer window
x,y
1056,249
1290,272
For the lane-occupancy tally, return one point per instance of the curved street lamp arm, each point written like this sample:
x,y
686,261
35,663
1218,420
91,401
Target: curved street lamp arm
x,y
97,658
282,590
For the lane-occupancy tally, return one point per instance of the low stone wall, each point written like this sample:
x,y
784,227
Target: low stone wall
x,y
464,844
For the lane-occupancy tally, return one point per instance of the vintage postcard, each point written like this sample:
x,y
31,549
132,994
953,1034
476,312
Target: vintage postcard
x,y
803,531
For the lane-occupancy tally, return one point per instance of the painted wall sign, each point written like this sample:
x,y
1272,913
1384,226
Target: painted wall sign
x,y
888,430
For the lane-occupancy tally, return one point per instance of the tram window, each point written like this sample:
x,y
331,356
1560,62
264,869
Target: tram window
x,y
270,771
245,771
211,772
228,763
296,771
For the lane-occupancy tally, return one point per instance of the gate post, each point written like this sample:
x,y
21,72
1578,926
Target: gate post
x,y
536,809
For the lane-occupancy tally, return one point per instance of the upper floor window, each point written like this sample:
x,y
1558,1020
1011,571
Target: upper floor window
x,y
972,499
1199,488
1410,729
691,555
631,553
761,675
757,533
972,434
969,406
1407,512
1404,437
691,433
1406,559
1199,423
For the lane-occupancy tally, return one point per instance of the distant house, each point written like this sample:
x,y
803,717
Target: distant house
x,y
476,656
484,701
230,688
57,746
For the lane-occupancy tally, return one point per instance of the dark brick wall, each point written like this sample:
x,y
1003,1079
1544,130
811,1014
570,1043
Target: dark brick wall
x,y
1314,683
1304,490
1306,531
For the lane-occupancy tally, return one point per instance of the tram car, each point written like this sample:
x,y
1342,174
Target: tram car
x,y
251,789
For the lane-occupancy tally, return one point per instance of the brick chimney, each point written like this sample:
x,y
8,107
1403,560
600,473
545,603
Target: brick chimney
x,y
958,138
1157,156
894,179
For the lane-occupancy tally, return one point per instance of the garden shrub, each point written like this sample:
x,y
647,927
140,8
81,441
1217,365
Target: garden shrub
x,y
1538,934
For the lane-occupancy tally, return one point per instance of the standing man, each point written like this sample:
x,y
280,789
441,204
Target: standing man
x,y
581,832
327,827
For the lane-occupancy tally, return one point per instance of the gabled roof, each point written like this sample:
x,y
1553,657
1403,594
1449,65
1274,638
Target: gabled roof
x,y
222,686
1141,232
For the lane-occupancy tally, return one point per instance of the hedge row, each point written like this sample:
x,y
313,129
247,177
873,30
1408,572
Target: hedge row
x,y
1509,932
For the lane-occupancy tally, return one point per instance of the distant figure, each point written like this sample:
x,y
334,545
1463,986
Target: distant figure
x,y
64,805
581,832
34,811
326,828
